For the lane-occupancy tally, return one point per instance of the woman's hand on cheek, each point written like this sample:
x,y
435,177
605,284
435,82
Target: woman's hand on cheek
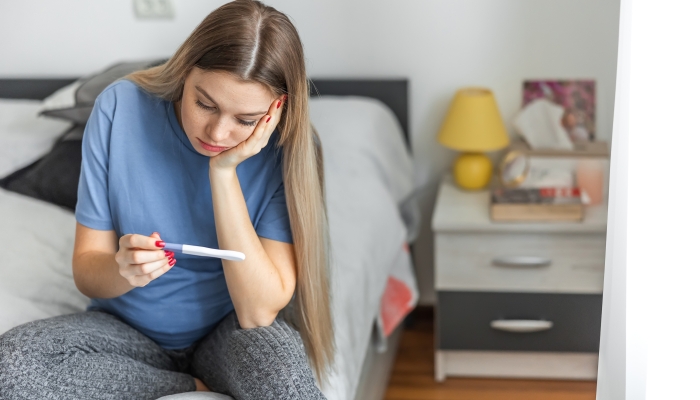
x,y
256,141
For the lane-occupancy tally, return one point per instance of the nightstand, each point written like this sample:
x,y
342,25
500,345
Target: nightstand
x,y
515,300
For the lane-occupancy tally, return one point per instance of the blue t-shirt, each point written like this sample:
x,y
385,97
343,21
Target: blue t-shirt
x,y
140,174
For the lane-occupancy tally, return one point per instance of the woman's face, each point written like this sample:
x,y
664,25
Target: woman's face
x,y
217,110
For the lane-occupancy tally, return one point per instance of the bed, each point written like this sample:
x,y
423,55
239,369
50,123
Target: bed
x,y
373,217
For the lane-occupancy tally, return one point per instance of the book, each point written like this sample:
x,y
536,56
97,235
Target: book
x,y
537,204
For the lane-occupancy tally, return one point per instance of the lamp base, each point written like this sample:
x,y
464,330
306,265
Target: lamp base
x,y
472,171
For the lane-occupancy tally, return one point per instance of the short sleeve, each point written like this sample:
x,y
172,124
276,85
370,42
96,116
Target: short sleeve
x,y
92,208
274,222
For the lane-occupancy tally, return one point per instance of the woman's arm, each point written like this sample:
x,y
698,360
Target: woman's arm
x,y
95,270
105,268
262,284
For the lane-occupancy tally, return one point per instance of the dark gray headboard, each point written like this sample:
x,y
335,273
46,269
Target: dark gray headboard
x,y
392,92
36,89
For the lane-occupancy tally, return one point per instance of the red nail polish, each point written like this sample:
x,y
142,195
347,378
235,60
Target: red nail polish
x,y
171,262
160,243
268,118
284,98
279,103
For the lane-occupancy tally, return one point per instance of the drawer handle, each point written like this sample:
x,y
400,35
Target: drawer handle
x,y
521,325
522,261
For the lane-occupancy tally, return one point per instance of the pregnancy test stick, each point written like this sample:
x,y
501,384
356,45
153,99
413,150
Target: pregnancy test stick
x,y
205,251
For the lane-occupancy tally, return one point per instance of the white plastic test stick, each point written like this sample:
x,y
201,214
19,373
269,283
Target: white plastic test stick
x,y
205,251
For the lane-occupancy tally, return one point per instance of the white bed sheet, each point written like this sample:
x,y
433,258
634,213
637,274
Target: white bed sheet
x,y
368,174
36,246
367,179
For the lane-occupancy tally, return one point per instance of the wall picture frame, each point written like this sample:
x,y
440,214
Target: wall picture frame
x,y
577,97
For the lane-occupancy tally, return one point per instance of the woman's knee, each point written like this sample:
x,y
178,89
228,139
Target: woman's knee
x,y
264,360
30,337
22,349
278,337
35,345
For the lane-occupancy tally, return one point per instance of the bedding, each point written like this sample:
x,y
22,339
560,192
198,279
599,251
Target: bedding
x,y
369,174
74,102
36,247
54,177
25,137
371,210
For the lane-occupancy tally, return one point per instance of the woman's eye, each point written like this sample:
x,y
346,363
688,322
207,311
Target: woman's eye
x,y
208,108
247,123
204,107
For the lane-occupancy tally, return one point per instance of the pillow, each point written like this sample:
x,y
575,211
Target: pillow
x,y
74,102
54,177
372,131
25,137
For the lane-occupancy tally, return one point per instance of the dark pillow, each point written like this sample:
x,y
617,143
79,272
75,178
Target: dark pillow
x,y
54,177
75,101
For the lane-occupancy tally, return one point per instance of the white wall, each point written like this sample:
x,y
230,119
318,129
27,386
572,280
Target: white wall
x,y
439,45
649,341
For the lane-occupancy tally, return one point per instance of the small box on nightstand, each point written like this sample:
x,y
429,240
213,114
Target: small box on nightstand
x,y
519,300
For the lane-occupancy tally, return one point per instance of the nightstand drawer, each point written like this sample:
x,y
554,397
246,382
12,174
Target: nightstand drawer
x,y
546,262
500,321
518,321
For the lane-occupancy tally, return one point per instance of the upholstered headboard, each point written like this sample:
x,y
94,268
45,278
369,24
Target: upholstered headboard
x,y
392,92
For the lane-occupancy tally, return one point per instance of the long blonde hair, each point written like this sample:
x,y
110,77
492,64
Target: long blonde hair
x,y
257,43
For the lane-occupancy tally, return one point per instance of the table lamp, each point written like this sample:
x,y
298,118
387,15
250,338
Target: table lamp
x,y
474,126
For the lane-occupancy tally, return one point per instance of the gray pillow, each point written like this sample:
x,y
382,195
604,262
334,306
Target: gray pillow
x,y
74,102
54,177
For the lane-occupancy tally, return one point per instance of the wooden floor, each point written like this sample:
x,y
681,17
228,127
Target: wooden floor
x,y
412,376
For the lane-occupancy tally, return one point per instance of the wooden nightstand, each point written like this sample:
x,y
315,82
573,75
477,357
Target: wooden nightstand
x,y
519,300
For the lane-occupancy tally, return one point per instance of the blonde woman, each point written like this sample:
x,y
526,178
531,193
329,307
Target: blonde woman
x,y
213,148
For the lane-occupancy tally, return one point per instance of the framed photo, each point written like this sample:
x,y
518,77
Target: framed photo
x,y
577,97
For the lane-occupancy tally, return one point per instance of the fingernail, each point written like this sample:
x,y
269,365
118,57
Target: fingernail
x,y
168,253
284,98
268,118
279,103
160,243
171,262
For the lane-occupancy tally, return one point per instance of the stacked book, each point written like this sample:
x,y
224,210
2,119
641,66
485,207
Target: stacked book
x,y
540,204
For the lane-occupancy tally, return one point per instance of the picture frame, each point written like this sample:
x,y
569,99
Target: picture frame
x,y
577,97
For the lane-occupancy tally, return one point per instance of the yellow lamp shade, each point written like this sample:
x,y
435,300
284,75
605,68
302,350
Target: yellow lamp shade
x,y
473,122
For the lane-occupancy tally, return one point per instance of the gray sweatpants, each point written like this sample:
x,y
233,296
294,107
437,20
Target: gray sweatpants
x,y
95,355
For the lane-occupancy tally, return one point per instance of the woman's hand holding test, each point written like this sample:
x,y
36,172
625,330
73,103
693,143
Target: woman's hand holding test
x,y
141,258
105,266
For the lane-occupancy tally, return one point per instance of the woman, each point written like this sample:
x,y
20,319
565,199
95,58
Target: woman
x,y
212,148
